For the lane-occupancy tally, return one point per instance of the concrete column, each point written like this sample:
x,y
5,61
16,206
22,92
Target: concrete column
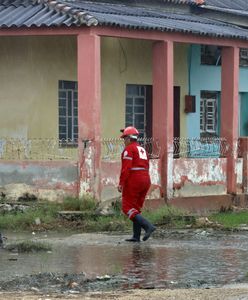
x,y
163,81
229,110
89,114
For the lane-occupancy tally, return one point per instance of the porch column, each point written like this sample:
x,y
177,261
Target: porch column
x,y
163,81
229,110
89,114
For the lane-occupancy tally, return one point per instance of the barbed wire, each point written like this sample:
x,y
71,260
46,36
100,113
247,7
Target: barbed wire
x,y
111,148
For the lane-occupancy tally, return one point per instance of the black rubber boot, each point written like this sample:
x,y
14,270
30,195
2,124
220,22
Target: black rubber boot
x,y
136,233
146,225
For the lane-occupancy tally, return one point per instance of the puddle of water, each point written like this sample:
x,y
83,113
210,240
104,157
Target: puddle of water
x,y
152,264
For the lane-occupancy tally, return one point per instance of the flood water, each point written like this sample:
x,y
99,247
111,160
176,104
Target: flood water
x,y
212,259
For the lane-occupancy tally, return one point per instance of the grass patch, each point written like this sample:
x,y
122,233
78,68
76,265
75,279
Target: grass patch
x,y
230,219
46,212
29,246
166,215
110,224
80,204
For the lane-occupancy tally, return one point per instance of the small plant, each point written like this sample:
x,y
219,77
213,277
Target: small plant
x,y
29,246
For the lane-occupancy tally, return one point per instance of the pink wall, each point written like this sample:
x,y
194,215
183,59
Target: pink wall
x,y
191,177
196,177
110,178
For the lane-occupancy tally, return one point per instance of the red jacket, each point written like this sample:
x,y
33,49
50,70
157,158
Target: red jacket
x,y
134,157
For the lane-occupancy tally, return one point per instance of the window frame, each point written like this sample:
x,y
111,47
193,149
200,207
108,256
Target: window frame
x,y
209,117
136,92
68,113
215,59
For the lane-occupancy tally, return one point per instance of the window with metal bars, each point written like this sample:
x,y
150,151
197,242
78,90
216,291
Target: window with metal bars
x,y
211,55
68,113
136,107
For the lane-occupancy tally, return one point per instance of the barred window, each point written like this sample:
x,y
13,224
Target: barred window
x,y
243,55
211,55
136,107
68,113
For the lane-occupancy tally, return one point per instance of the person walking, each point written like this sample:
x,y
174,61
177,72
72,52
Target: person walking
x,y
134,183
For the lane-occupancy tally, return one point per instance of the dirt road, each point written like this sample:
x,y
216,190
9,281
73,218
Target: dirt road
x,y
240,292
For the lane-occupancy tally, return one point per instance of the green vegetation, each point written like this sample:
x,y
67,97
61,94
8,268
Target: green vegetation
x,y
45,216
48,217
46,212
81,204
29,246
107,223
162,214
230,219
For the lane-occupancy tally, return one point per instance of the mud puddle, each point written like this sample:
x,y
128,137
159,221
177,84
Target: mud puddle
x,y
83,262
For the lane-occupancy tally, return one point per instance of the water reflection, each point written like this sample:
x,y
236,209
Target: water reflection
x,y
140,264
147,265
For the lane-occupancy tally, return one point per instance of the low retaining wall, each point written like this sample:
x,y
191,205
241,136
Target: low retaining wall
x,y
53,180
110,172
44,179
203,176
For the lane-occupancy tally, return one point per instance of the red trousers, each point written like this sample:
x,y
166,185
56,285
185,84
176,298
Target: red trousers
x,y
134,192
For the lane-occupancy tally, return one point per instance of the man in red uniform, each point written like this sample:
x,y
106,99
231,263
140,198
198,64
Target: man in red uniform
x,y
134,183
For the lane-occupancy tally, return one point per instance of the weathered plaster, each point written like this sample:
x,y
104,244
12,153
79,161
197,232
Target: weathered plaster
x,y
154,172
199,176
239,171
87,172
46,180
110,179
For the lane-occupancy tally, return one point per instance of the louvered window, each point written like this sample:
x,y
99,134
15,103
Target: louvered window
x,y
208,113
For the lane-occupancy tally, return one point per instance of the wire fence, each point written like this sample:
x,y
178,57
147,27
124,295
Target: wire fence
x,y
111,149
201,147
38,149
182,148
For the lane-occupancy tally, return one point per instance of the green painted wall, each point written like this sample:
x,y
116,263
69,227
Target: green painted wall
x,y
30,68
243,130
123,62
126,61
181,79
